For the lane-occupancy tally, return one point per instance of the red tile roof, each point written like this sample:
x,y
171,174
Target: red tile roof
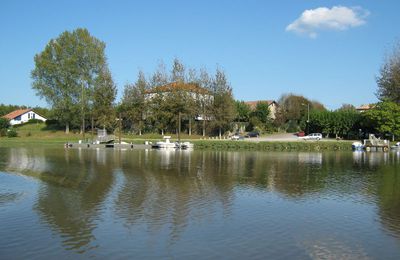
x,y
175,86
253,104
16,113
365,107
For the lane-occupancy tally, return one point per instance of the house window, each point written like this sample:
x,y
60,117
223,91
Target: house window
x,y
33,115
29,115
18,118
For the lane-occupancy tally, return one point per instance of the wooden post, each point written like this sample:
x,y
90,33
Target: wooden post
x,y
120,128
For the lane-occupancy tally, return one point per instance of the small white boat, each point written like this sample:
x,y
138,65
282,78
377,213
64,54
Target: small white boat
x,y
396,146
186,145
357,146
165,144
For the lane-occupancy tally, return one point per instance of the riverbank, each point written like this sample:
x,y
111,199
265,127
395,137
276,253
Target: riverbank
x,y
199,144
37,135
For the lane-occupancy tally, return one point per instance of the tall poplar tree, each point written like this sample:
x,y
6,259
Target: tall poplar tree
x,y
223,104
104,95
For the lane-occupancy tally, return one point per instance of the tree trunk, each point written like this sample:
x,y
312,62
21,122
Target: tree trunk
x,y
220,132
190,126
204,127
67,128
162,131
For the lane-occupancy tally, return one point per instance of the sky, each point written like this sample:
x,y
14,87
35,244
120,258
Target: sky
x,y
329,51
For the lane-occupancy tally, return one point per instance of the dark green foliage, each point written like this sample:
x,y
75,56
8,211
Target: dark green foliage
x,y
134,104
12,133
104,94
5,109
34,121
293,109
4,123
243,111
343,123
384,118
223,108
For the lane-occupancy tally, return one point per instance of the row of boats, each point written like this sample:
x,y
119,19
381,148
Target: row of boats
x,y
358,146
167,144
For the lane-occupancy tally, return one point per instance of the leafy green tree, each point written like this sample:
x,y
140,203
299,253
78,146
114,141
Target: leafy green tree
x,y
135,103
292,109
262,112
104,95
223,104
385,118
243,111
4,123
65,74
389,79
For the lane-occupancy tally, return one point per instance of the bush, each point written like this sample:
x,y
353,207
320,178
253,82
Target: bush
x,y
12,133
34,121
3,132
4,123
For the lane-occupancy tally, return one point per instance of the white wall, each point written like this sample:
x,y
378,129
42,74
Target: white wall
x,y
26,117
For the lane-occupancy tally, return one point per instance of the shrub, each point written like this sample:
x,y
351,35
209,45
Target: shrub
x,y
3,132
4,123
12,133
34,121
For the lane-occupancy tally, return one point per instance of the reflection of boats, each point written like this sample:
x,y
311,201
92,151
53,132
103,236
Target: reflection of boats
x,y
185,145
165,144
357,146
396,146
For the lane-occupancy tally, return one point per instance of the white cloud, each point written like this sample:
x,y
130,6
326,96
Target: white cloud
x,y
338,18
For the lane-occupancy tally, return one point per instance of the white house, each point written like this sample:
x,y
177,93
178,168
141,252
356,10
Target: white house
x,y
21,116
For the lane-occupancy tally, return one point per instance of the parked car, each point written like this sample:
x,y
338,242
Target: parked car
x,y
313,136
252,134
237,137
300,134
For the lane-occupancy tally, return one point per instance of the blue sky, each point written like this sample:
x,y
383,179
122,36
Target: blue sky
x,y
332,57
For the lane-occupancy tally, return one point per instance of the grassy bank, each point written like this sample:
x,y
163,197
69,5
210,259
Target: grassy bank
x,y
38,135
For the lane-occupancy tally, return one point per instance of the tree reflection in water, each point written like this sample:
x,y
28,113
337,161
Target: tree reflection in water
x,y
164,192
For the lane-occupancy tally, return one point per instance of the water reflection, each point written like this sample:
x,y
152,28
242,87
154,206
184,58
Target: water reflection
x,y
166,192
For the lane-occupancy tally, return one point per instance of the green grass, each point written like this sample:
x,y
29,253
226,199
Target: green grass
x,y
38,134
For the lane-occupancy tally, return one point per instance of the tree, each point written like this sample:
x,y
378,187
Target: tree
x,y
135,104
178,71
243,111
389,79
347,107
104,95
223,105
205,101
385,118
65,73
292,108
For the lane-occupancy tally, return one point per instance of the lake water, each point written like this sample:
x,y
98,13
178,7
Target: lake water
x,y
145,204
